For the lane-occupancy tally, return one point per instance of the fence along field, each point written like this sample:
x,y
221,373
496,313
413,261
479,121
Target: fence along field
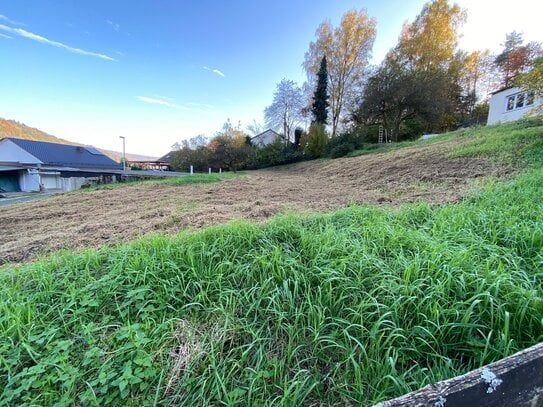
x,y
355,307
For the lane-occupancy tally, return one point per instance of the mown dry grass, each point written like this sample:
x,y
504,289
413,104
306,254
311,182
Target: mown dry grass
x,y
95,218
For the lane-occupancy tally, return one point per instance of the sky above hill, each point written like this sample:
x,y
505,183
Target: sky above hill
x,y
157,72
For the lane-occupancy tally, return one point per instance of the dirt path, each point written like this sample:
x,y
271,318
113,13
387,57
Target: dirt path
x,y
94,218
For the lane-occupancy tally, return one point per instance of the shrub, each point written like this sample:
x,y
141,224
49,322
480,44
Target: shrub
x,y
343,144
314,142
229,152
272,154
199,158
341,150
412,129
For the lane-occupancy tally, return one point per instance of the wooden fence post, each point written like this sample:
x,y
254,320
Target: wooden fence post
x,y
513,381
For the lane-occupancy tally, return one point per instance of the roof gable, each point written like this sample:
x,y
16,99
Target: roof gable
x,y
165,158
506,91
12,153
265,133
66,155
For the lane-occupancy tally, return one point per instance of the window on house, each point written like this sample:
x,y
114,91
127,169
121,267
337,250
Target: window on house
x,y
530,99
510,102
520,100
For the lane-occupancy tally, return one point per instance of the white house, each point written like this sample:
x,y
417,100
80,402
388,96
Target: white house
x,y
31,166
511,104
265,138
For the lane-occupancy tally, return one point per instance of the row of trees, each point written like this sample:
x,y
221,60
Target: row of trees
x,y
427,84
231,149
335,65
424,84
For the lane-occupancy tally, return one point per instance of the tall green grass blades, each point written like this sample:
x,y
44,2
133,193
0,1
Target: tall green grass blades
x,y
352,307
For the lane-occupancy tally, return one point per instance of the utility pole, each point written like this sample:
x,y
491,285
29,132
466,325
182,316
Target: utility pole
x,y
124,154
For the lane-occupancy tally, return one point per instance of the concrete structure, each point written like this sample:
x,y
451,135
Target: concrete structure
x,y
265,138
32,166
511,104
162,164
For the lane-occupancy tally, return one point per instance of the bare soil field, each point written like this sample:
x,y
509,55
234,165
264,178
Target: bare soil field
x,y
94,218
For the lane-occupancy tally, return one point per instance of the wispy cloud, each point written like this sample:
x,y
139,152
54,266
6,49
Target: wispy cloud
x,y
218,72
156,101
5,36
215,71
113,25
170,102
200,105
9,21
35,37
164,97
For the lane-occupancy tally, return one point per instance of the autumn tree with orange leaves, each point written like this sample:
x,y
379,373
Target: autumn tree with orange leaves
x,y
347,49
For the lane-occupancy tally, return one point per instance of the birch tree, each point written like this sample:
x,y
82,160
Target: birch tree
x,y
285,112
347,49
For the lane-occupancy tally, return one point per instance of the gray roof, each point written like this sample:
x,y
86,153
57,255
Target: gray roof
x,y
166,158
66,155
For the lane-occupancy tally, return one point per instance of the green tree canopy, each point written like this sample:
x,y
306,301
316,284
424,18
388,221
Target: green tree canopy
x,y
320,98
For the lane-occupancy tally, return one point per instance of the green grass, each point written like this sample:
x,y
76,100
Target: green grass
x,y
514,143
384,148
518,143
353,307
181,180
200,178
358,307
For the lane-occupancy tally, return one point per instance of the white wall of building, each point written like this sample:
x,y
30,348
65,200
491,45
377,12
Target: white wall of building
x,y
29,180
265,138
73,183
510,105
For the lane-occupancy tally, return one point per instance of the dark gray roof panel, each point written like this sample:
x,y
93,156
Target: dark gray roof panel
x,y
66,155
166,158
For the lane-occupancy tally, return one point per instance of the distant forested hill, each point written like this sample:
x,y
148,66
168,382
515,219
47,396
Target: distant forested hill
x,y
11,128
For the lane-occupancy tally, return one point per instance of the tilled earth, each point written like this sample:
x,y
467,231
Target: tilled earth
x,y
98,217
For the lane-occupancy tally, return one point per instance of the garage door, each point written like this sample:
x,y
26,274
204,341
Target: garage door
x,y
9,182
49,181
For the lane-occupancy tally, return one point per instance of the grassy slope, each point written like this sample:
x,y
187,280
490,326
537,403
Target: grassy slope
x,y
354,307
504,142
181,180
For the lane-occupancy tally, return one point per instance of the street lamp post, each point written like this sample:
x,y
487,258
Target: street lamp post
x,y
124,154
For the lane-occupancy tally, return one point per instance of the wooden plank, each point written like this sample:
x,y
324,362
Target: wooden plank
x,y
513,381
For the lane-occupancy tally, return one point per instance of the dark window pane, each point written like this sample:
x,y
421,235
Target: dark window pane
x,y
520,100
510,102
530,99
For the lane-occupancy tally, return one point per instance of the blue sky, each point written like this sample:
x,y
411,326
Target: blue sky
x,y
158,72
